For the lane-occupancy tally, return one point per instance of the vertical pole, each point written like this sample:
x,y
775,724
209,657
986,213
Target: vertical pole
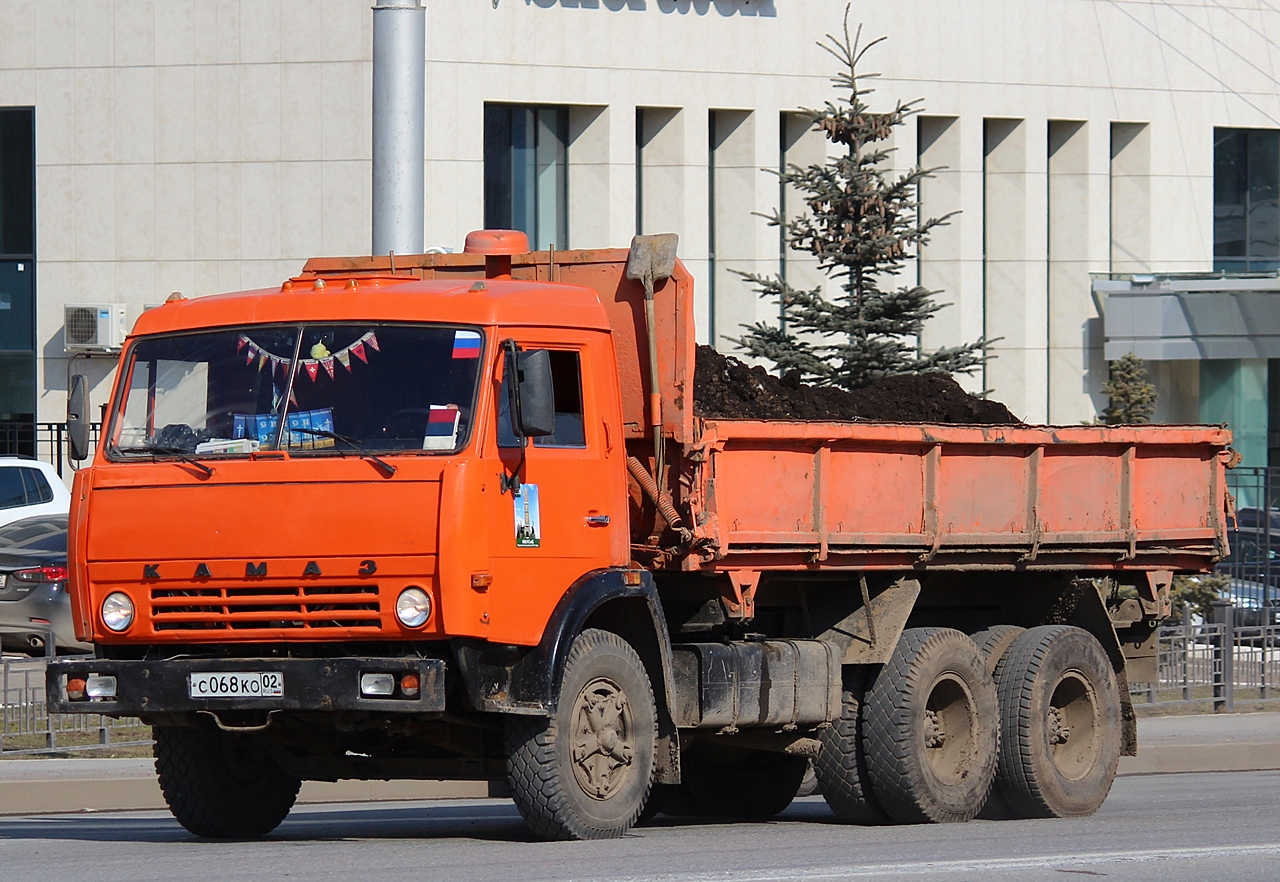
x,y
1186,652
399,151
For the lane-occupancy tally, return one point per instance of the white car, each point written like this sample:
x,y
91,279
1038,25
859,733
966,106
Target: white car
x,y
29,488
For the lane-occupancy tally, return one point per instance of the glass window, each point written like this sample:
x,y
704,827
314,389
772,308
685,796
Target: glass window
x,y
1246,200
17,181
13,492
566,382
38,489
378,388
525,172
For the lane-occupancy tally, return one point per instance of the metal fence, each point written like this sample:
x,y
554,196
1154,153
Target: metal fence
x,y
1216,663
46,442
27,727
1254,538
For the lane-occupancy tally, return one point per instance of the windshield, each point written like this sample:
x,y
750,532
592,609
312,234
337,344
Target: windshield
x,y
338,388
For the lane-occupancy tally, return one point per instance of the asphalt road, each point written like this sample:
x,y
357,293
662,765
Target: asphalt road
x,y
1220,826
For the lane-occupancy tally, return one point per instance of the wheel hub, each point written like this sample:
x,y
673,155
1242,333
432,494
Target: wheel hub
x,y
604,739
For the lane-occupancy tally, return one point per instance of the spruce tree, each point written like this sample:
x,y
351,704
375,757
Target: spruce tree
x,y
1132,398
862,226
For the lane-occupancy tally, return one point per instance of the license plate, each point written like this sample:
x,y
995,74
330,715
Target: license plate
x,y
241,684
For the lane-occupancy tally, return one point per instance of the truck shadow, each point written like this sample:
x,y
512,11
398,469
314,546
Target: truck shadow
x,y
488,821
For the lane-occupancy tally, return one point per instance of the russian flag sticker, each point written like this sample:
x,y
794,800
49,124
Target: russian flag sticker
x,y
442,428
466,344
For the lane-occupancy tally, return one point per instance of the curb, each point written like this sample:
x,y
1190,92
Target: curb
x,y
63,795
1170,759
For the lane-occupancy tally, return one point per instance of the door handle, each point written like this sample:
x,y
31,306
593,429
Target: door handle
x,y
597,520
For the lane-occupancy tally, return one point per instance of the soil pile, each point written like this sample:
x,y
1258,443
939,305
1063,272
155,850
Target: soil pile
x,y
725,387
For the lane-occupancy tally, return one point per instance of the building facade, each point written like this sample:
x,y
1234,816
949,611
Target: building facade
x,y
151,146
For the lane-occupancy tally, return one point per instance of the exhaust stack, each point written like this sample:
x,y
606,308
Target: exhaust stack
x,y
399,96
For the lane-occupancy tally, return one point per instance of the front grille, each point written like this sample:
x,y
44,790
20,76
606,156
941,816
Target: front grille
x,y
260,607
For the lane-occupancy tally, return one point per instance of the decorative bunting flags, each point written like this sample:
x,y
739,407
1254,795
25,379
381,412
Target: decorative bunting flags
x,y
327,361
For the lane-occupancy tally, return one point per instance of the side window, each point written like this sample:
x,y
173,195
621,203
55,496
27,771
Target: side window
x,y
566,379
13,492
38,489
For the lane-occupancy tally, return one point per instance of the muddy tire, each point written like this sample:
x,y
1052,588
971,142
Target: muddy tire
x,y
841,765
994,642
221,786
931,729
585,772
733,782
1060,724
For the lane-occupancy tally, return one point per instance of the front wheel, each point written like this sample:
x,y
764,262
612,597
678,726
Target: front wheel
x,y
585,771
221,785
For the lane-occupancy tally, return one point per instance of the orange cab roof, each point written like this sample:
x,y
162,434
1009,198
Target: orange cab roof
x,y
499,302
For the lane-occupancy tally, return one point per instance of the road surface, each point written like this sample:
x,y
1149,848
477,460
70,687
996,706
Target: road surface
x,y
1222,826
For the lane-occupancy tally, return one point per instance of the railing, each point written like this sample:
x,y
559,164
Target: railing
x,y
46,442
27,727
1254,537
1216,663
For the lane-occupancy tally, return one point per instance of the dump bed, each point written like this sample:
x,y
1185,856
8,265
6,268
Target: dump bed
x,y
867,496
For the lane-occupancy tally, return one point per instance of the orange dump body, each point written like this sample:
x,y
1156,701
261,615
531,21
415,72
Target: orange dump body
x,y
870,496
282,547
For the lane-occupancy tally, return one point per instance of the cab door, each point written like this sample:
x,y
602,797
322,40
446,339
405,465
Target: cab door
x,y
569,510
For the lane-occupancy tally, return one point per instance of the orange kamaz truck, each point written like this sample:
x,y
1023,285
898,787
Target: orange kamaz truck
x,y
454,517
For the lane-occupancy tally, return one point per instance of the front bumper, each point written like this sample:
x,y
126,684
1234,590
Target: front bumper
x,y
322,684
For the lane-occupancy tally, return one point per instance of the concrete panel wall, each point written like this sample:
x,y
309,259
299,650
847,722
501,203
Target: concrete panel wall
x,y
196,146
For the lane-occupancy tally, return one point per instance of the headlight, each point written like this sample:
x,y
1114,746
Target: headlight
x,y
117,611
413,607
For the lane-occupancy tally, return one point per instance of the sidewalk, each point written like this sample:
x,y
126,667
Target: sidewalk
x,y
1192,743
1206,743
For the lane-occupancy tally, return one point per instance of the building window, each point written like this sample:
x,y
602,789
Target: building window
x,y
1246,200
526,172
17,279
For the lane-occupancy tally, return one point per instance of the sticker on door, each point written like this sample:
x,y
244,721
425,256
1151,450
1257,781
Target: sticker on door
x,y
528,517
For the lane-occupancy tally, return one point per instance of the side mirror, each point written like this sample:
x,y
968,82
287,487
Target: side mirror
x,y
533,404
78,418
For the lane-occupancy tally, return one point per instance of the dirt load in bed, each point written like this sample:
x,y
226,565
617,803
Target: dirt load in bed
x,y
726,388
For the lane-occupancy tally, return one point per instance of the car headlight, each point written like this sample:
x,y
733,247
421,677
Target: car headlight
x,y
413,607
117,611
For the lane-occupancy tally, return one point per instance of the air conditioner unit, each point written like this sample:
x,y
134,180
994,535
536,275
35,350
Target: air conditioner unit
x,y
94,327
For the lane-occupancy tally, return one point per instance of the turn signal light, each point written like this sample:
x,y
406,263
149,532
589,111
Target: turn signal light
x,y
75,688
409,686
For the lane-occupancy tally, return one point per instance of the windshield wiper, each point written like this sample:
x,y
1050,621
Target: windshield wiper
x,y
169,451
387,468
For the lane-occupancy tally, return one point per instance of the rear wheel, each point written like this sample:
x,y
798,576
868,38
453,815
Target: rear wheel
x,y
994,642
841,765
221,785
1060,724
585,772
931,731
733,782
